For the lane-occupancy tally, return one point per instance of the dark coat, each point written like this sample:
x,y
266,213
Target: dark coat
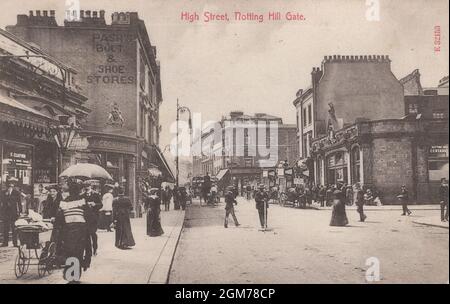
x,y
93,213
51,206
10,205
230,200
260,198
443,193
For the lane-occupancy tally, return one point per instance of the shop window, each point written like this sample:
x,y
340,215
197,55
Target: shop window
x,y
438,115
305,122
309,114
17,163
337,169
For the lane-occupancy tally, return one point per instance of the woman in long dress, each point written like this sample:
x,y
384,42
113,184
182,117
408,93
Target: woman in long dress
x,y
153,206
338,216
75,242
121,216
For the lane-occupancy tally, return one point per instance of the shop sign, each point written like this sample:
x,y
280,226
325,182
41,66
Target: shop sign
x,y
439,151
79,143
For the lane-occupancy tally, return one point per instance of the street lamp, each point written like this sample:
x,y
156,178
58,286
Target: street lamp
x,y
181,110
64,132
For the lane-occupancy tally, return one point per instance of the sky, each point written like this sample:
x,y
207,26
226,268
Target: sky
x,y
217,67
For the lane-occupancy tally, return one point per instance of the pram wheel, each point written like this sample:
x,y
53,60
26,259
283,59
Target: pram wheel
x,y
47,259
22,263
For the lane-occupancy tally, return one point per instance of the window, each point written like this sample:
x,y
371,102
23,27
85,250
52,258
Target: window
x,y
438,114
356,165
309,114
413,108
304,118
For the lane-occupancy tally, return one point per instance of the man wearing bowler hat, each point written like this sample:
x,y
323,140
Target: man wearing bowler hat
x,y
10,209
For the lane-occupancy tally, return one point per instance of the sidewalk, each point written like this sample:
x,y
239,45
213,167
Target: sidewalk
x,y
148,262
433,221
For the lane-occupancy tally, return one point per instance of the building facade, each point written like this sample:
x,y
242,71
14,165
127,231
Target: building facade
x,y
237,154
352,128
36,90
120,75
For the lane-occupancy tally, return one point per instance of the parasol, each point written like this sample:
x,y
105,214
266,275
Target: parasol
x,y
86,171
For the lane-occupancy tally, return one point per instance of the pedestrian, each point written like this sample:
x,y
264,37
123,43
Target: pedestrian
x,y
230,201
183,197
329,195
214,194
50,205
321,195
443,194
122,207
176,198
261,199
339,215
10,210
404,197
94,202
359,201
368,197
165,196
105,219
153,207
349,195
73,218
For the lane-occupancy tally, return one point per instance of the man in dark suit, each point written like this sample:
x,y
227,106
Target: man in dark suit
x,y
230,201
94,201
10,209
261,199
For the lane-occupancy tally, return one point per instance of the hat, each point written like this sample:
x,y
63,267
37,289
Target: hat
x,y
109,186
261,186
11,180
52,186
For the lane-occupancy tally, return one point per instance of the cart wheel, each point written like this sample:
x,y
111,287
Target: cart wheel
x,y
51,258
21,263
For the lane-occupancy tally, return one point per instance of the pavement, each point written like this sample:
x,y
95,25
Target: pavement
x,y
148,262
301,247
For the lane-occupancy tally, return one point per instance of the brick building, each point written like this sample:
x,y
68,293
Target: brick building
x,y
235,154
352,128
120,74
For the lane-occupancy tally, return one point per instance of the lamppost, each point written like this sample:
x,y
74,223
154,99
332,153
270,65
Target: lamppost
x,y
181,109
64,134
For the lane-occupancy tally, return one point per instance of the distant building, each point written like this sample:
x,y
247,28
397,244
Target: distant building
x,y
236,153
352,127
120,74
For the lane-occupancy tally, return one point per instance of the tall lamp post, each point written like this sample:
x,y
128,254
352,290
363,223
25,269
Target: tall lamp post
x,y
181,109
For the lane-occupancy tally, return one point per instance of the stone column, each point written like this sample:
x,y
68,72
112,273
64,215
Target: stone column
x,y
132,186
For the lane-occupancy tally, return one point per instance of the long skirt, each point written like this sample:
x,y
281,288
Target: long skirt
x,y
77,244
124,235
339,216
105,220
154,227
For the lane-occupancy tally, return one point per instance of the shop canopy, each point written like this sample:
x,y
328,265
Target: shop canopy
x,y
164,166
222,174
20,114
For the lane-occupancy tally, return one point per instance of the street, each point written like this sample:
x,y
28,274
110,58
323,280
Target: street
x,y
303,248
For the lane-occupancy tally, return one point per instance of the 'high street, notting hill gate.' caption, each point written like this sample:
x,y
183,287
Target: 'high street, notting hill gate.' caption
x,y
241,16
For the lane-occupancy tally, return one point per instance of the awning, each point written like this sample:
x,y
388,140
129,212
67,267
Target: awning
x,y
17,105
222,174
165,169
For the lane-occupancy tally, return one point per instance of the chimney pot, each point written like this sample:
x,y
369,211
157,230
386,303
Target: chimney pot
x,y
52,13
88,14
95,14
31,13
45,13
81,13
38,13
102,14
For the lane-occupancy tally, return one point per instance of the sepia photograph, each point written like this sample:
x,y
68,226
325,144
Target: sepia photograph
x,y
190,143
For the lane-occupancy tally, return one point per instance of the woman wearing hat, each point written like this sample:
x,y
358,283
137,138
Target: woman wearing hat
x,y
339,216
10,210
121,217
105,218
153,206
